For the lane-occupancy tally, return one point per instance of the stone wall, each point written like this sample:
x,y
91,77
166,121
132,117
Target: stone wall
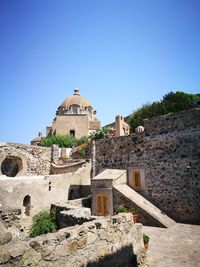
x,y
181,121
42,190
169,154
63,124
114,241
33,160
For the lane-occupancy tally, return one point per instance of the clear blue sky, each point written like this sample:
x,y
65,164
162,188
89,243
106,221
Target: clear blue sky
x,y
120,54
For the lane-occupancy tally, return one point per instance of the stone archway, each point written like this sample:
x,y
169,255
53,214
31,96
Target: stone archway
x,y
27,205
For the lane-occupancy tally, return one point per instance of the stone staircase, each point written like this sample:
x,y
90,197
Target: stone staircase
x,y
145,205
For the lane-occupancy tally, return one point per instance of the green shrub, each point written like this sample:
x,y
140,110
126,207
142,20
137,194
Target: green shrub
x,y
44,222
124,209
121,209
63,141
100,133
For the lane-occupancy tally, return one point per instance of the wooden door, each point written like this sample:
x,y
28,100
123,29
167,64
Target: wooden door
x,y
102,204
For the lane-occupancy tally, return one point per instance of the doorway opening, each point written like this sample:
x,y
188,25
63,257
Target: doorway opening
x,y
27,205
72,133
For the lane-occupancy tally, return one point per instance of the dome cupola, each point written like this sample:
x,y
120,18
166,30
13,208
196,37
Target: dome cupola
x,y
76,104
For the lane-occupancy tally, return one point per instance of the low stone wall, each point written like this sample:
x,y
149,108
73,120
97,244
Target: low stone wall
x,y
73,212
114,241
33,160
66,167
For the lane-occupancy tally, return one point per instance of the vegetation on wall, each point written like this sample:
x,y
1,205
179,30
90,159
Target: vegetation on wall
x,y
43,222
171,103
63,141
100,133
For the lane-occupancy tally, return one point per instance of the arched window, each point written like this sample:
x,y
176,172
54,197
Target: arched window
x,y
75,109
90,113
27,205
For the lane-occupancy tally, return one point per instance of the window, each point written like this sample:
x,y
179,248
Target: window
x,y
136,178
72,133
90,112
27,205
75,109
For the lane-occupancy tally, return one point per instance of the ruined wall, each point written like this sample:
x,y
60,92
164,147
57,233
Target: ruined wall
x,y
43,190
112,241
169,154
33,160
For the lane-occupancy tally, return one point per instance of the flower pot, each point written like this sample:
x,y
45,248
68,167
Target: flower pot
x,y
146,245
135,218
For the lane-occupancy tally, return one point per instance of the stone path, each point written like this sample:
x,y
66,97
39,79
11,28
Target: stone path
x,y
177,246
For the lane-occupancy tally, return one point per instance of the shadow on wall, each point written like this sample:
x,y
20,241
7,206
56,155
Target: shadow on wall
x,y
79,191
121,258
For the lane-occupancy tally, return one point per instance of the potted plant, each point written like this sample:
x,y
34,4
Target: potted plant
x,y
135,216
146,240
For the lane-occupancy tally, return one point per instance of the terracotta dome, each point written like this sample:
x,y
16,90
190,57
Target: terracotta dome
x,y
76,99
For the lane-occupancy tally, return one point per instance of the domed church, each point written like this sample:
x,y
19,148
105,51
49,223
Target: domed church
x,y
75,117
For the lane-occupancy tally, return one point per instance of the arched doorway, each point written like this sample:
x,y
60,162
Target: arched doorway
x,y
11,166
27,205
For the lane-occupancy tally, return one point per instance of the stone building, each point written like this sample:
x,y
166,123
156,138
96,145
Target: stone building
x,y
75,117
121,127
162,163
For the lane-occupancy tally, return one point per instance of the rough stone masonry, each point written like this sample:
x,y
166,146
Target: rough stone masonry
x,y
114,241
169,154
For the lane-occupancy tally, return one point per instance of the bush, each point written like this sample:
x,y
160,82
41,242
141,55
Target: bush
x,y
63,141
124,209
100,133
44,222
121,209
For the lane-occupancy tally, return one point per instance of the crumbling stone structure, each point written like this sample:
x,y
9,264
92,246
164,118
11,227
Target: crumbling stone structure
x,y
20,160
114,241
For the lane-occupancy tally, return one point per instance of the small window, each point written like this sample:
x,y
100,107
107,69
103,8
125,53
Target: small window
x,y
135,180
90,112
72,133
27,205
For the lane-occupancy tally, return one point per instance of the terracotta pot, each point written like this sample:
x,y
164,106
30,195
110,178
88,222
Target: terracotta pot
x,y
135,218
146,245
